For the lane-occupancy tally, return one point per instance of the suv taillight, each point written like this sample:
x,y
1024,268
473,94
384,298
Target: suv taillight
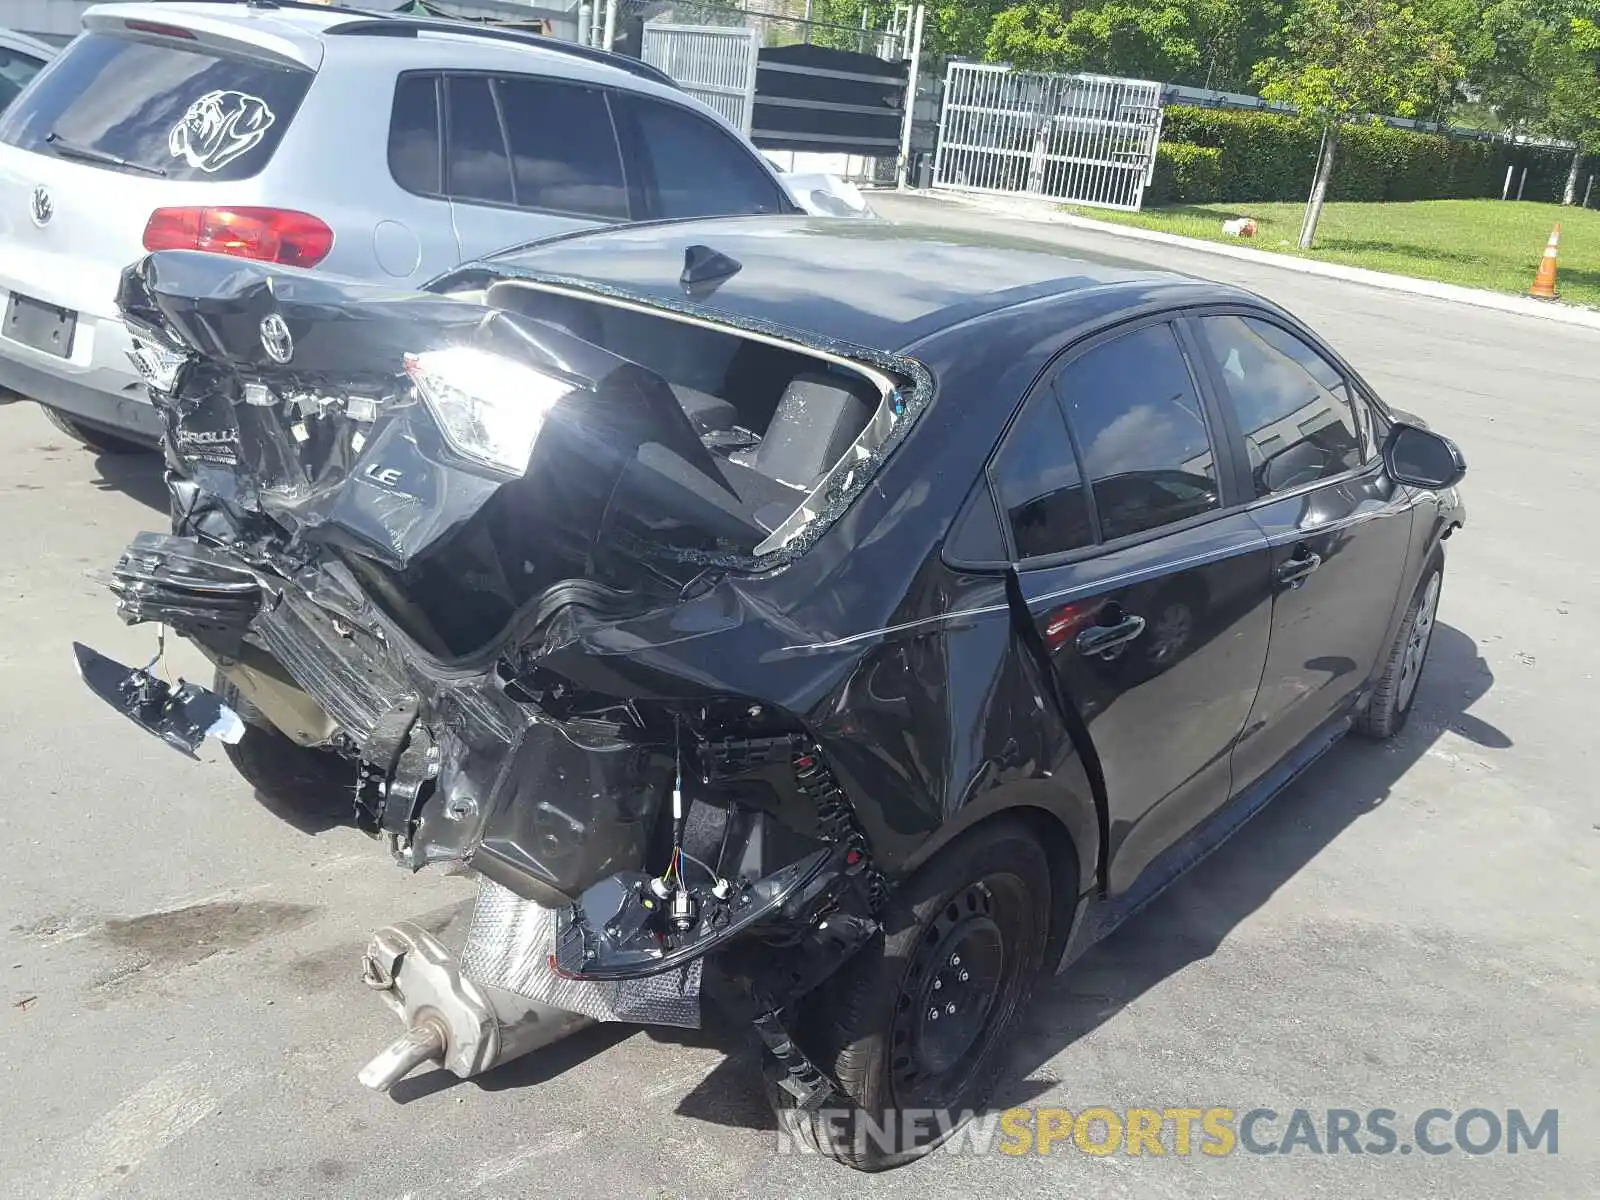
x,y
278,235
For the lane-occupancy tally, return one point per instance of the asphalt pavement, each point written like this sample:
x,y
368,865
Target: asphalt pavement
x,y
1411,926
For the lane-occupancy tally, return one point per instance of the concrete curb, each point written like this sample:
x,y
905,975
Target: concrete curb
x,y
1524,306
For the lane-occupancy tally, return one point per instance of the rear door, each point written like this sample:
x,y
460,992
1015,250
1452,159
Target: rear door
x,y
528,157
1149,587
1338,528
121,123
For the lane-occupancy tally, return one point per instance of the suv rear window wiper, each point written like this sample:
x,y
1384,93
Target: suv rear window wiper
x,y
70,149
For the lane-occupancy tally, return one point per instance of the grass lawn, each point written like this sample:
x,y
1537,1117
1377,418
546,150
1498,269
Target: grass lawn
x,y
1480,243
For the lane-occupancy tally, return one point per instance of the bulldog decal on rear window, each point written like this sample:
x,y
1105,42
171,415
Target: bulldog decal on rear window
x,y
218,128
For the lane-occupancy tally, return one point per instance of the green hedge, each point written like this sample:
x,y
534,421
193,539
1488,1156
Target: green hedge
x,y
1262,156
1186,174
1267,156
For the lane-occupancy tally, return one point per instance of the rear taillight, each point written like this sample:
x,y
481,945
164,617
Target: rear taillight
x,y
278,235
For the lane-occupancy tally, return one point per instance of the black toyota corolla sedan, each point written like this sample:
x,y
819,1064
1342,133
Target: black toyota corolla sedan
x,y
822,626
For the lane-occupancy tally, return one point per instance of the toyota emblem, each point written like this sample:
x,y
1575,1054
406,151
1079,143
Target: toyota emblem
x,y
276,339
40,207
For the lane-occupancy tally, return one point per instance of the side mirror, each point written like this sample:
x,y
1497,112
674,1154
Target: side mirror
x,y
1422,458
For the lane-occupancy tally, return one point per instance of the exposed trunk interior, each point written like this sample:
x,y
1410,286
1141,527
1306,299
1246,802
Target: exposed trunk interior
x,y
774,419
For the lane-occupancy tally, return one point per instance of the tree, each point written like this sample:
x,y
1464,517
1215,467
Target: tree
x,y
951,28
1147,41
959,27
1533,65
1203,43
1233,36
1346,60
1567,59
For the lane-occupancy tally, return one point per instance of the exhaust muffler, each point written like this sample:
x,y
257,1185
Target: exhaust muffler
x,y
450,1020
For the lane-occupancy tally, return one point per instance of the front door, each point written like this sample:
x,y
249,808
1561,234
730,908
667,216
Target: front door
x,y
1338,527
1151,595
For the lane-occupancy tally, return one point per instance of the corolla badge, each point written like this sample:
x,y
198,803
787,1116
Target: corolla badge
x,y
210,445
41,207
276,339
218,128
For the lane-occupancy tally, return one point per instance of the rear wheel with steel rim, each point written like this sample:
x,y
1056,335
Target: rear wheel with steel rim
x,y
914,1026
1396,689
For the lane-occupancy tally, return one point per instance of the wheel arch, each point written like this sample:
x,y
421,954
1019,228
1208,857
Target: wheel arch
x,y
1068,829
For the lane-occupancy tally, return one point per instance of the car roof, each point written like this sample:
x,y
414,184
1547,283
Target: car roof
x,y
15,39
306,32
869,282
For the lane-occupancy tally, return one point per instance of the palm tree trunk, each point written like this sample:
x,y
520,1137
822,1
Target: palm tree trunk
x,y
1319,186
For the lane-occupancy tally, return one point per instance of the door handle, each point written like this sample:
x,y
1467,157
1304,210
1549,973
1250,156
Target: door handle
x,y
1296,569
1098,639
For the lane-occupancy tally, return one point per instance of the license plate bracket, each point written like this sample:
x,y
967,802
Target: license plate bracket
x,y
46,327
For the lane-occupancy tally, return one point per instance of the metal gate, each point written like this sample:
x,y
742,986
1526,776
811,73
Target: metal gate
x,y
1088,139
716,64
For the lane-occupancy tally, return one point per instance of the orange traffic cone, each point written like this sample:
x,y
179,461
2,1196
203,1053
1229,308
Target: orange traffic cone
x,y
1544,283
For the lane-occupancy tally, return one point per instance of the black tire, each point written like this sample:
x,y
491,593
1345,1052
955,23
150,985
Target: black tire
x,y
99,440
1396,690
871,1027
284,774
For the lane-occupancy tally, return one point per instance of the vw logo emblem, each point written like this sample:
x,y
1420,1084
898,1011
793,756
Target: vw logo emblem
x,y
40,207
276,339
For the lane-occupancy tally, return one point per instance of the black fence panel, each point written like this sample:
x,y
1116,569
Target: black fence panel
x,y
831,101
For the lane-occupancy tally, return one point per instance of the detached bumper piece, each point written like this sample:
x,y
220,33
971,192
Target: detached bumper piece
x,y
183,714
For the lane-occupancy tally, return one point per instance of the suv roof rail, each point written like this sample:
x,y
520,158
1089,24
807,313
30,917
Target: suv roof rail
x,y
403,26
304,5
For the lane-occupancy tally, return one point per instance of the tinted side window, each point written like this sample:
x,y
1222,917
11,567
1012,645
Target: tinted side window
x,y
1367,419
975,534
414,135
182,111
1291,403
477,167
693,168
1036,478
1139,424
16,69
564,155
